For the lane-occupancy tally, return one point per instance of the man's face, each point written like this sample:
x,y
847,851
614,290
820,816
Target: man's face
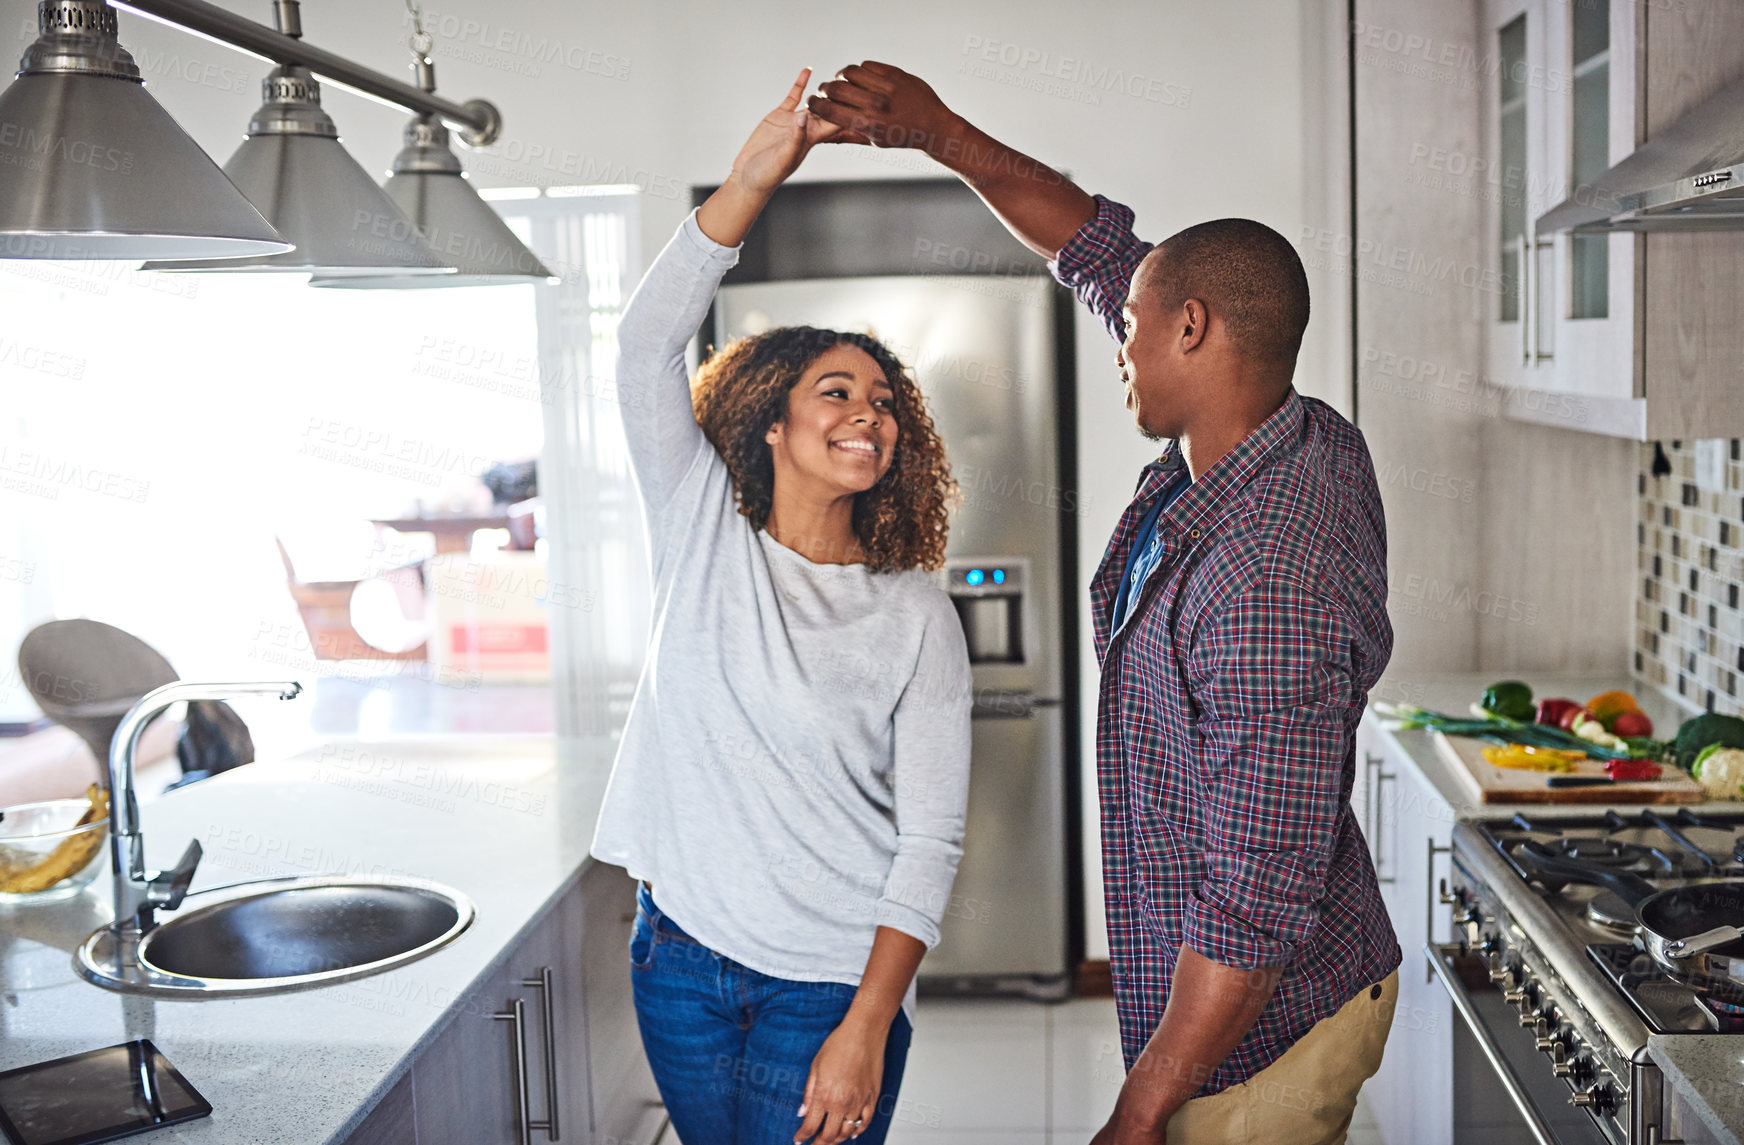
x,y
1151,363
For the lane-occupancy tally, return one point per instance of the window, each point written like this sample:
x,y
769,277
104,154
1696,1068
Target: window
x,y
160,430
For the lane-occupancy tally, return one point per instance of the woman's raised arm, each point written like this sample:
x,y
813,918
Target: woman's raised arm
x,y
653,383
777,146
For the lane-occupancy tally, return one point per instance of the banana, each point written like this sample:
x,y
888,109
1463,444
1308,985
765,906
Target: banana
x,y
66,859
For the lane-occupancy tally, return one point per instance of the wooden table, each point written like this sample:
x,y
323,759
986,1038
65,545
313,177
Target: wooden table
x,y
453,534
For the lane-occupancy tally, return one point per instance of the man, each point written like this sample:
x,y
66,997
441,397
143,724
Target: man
x,y
1240,620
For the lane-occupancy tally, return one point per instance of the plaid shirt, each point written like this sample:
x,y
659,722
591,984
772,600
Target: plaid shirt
x,y
1225,732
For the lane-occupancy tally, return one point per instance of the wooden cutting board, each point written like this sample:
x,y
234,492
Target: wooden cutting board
x,y
1487,783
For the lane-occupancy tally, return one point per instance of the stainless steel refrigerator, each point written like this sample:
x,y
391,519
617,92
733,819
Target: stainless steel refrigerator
x,y
984,350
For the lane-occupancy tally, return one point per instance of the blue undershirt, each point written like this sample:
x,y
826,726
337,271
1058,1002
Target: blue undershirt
x,y
1141,564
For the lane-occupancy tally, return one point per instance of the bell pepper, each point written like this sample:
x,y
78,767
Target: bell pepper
x,y
1550,712
1607,706
1521,757
1510,699
1631,770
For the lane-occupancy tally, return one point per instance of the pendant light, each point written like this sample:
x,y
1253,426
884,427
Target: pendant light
x,y
91,167
293,168
428,183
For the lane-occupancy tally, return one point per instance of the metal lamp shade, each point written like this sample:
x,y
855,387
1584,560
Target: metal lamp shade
x,y
428,184
294,169
92,168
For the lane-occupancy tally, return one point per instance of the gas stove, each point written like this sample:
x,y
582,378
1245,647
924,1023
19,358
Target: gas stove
x,y
1550,975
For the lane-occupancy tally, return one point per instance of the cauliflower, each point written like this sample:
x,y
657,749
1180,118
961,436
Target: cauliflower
x,y
1721,771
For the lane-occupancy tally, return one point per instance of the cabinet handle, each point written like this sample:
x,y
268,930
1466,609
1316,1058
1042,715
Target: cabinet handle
x,y
542,983
516,1017
1373,775
1523,298
1429,896
1380,778
1539,353
1371,764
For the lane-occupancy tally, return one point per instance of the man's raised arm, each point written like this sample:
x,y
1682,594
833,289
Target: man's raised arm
x,y
1087,240
887,107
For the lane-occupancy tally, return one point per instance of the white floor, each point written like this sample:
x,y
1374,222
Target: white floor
x,y
1017,1073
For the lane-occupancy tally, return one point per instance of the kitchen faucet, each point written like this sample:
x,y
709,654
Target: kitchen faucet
x,y
137,892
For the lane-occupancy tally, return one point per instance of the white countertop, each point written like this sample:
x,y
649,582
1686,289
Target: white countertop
x,y
499,818
1454,694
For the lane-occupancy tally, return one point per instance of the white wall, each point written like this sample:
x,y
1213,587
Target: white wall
x,y
663,94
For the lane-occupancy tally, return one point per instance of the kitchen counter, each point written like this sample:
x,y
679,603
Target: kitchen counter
x,y
501,818
1454,694
1709,1071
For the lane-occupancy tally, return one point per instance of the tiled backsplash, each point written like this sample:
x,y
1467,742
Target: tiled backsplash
x,y
1689,630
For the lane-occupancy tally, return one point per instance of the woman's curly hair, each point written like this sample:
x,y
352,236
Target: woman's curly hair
x,y
742,389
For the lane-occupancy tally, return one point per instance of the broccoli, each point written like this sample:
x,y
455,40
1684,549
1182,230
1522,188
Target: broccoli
x,y
1704,731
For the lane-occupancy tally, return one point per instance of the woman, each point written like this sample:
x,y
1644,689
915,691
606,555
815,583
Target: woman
x,y
792,781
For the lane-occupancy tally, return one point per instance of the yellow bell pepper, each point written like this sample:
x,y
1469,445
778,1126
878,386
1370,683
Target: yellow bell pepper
x,y
1522,757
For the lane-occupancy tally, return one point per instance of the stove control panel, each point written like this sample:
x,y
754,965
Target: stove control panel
x,y
1538,1026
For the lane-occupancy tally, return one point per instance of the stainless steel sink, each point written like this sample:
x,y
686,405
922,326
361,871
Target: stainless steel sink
x,y
277,935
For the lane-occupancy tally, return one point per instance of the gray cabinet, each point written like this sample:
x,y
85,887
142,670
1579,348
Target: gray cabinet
x,y
1409,827
511,1056
463,1084
392,1121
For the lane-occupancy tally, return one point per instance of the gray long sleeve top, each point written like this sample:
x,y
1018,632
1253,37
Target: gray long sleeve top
x,y
794,771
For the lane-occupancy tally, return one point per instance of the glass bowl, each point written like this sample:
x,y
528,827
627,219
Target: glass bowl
x,y
46,854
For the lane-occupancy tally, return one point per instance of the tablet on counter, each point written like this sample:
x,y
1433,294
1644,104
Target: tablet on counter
x,y
100,1095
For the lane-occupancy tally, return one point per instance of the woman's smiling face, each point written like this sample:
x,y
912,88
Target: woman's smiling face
x,y
839,433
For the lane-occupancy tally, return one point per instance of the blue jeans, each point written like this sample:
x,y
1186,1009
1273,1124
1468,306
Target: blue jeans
x,y
731,1048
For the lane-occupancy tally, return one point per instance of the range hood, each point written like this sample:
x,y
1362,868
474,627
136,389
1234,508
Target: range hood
x,y
1688,177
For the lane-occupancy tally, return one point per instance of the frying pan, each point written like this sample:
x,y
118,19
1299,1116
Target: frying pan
x,y
1693,932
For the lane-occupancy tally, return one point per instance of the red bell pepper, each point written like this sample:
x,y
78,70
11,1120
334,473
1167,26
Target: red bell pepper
x,y
1631,770
1550,712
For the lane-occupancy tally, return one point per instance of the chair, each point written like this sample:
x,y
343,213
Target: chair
x,y
325,606
85,675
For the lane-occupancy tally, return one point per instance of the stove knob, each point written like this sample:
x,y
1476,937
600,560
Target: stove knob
x,y
1538,1021
1577,1068
1596,1097
1548,1043
1519,996
1559,1063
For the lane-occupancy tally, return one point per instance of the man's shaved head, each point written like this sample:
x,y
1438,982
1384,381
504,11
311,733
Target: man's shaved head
x,y
1248,276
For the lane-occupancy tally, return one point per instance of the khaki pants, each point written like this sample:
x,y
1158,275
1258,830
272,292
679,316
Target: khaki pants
x,y
1307,1096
